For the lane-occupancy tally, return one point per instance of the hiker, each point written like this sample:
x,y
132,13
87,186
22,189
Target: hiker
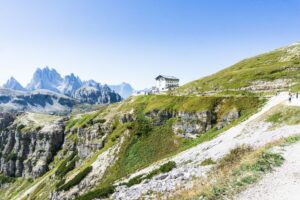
x,y
290,97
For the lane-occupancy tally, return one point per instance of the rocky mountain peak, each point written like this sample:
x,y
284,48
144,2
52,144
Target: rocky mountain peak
x,y
70,84
13,84
124,89
45,78
49,80
92,83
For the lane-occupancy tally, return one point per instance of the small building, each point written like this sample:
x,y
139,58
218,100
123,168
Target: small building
x,y
165,83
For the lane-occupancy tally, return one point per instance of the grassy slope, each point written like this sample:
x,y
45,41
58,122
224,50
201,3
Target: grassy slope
x,y
268,66
147,143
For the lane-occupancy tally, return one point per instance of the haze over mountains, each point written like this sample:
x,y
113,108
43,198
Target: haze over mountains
x,y
49,84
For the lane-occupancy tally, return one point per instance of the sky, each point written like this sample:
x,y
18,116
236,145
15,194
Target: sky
x,y
114,41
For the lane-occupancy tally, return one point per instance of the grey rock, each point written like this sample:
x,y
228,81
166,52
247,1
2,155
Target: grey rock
x,y
228,118
28,154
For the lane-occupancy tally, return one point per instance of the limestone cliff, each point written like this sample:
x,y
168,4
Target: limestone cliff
x,y
27,149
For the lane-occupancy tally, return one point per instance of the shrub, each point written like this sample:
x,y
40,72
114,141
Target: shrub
x,y
60,183
234,156
20,127
162,169
76,180
167,167
144,125
101,121
67,165
135,180
267,161
38,128
103,192
292,139
129,126
207,161
6,179
275,118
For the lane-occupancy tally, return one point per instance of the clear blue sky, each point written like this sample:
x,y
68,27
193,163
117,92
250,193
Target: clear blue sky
x,y
134,40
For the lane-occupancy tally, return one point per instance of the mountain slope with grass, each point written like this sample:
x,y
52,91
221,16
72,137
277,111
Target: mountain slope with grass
x,y
100,148
181,145
268,72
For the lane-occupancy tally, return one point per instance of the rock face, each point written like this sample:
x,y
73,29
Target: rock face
x,y
97,95
277,84
91,136
13,84
192,124
48,79
124,89
27,153
188,124
228,118
70,84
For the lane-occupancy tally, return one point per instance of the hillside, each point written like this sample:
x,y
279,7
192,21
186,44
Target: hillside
x,y
122,138
268,72
159,146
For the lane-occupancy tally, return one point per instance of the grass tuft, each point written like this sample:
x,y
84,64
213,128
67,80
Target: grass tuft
x,y
207,162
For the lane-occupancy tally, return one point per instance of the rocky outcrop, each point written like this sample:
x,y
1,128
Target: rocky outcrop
x,y
89,140
228,118
189,124
27,153
192,124
127,117
97,95
91,137
186,124
159,117
261,85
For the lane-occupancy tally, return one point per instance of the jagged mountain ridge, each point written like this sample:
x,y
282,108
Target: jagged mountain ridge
x,y
90,92
13,84
46,78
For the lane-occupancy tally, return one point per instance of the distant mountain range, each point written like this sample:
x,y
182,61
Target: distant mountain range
x,y
124,89
48,83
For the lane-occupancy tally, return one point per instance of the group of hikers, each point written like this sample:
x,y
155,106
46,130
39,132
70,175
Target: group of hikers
x,y
291,95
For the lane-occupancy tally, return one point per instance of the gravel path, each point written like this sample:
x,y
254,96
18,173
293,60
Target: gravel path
x,y
282,184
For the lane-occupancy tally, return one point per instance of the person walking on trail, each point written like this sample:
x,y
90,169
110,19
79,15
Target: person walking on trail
x,y
290,97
